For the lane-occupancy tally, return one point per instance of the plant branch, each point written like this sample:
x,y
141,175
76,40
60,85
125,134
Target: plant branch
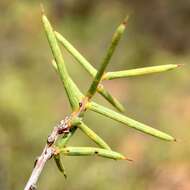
x,y
47,153
80,104
111,99
139,71
89,68
90,151
128,121
71,89
75,53
115,40
66,127
45,156
93,136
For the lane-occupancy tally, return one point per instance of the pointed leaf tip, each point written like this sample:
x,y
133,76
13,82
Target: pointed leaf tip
x,y
125,22
180,65
65,176
42,8
128,159
60,165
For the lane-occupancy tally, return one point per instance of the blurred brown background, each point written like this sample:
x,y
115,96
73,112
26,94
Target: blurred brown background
x,y
32,98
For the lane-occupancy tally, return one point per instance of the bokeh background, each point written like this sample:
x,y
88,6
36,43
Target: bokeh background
x,y
32,98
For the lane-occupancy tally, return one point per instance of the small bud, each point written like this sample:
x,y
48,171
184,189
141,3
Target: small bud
x,y
50,140
63,129
33,187
80,104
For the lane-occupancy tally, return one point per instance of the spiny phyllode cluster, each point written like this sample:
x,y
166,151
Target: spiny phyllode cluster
x,y
56,146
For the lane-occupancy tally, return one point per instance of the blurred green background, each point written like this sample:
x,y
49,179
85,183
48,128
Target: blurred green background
x,y
32,99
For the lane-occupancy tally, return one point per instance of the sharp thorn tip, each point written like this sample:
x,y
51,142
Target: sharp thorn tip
x,y
42,8
128,159
180,65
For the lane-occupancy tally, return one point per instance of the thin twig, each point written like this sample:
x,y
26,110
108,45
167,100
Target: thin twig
x,y
47,153
62,128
